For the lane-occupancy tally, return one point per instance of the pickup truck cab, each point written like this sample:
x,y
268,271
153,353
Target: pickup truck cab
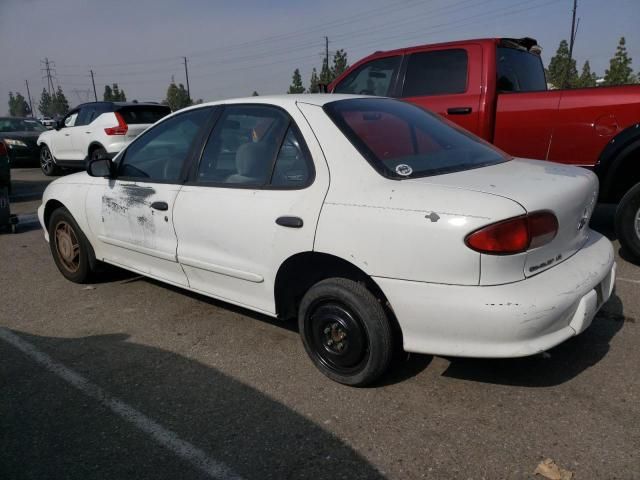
x,y
496,88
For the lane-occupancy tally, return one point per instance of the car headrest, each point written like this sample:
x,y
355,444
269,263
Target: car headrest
x,y
250,157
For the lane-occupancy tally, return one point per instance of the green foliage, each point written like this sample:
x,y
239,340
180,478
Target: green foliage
x,y
114,94
45,103
296,83
255,94
177,97
53,105
340,64
587,78
314,81
18,106
325,73
619,71
562,73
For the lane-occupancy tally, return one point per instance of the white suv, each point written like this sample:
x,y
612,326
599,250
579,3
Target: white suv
x,y
92,130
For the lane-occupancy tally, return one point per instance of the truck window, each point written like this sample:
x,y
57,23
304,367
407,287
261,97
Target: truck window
x,y
520,71
436,73
372,78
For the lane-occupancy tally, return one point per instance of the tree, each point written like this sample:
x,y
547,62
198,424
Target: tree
x,y
340,64
18,106
177,97
296,83
314,81
255,94
562,73
107,96
619,71
59,104
325,73
45,104
587,78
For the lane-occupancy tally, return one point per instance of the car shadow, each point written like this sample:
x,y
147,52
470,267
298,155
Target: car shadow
x,y
551,368
28,190
254,435
603,220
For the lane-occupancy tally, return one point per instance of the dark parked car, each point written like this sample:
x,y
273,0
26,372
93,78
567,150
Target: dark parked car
x,y
20,136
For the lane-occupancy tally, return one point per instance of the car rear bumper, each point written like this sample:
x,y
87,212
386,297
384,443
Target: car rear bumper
x,y
511,320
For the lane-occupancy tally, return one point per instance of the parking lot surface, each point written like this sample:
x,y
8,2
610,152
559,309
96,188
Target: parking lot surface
x,y
130,378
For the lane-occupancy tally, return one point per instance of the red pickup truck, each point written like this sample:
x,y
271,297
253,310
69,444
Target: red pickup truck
x,y
497,89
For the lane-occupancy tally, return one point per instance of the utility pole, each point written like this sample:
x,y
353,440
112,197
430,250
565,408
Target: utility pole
x,y
571,41
186,74
29,95
326,51
47,71
95,95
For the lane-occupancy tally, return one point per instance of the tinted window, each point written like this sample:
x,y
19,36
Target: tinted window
x,y
436,73
141,114
243,146
160,153
85,115
373,78
520,71
20,125
401,140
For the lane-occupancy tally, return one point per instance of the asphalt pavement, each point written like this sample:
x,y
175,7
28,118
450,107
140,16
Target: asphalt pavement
x,y
130,378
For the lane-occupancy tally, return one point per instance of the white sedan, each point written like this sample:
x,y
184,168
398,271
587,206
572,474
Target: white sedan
x,y
373,222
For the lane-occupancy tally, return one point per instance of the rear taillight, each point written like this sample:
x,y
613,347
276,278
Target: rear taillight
x,y
515,235
121,129
3,149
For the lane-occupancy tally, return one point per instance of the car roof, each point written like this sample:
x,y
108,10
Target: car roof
x,y
288,100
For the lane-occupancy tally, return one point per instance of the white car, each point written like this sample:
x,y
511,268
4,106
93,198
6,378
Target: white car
x,y
374,222
92,130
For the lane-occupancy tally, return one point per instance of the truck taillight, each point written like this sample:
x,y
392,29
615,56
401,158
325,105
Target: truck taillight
x,y
515,235
121,129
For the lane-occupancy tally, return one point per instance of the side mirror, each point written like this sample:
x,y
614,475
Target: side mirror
x,y
100,167
59,124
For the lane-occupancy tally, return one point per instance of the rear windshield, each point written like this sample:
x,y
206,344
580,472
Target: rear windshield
x,y
401,140
143,113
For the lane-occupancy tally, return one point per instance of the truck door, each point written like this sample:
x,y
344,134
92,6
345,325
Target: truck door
x,y
446,81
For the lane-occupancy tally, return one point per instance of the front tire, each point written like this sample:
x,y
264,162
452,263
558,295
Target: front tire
x,y
98,153
47,163
70,248
628,222
345,331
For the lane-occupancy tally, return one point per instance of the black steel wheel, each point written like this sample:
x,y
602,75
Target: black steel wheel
x,y
628,223
345,331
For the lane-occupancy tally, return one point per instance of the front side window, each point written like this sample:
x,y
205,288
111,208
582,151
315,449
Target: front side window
x,y
401,140
254,146
84,116
520,71
161,152
70,120
442,72
372,78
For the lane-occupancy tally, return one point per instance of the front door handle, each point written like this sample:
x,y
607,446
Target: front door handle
x,y
163,206
291,222
459,110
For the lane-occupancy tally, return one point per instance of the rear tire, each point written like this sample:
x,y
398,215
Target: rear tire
x,y
71,250
628,222
98,153
345,331
47,162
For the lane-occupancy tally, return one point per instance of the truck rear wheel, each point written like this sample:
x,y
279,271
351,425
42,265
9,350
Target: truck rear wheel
x,y
628,222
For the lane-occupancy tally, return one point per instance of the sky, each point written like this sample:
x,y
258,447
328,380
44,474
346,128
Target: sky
x,y
236,47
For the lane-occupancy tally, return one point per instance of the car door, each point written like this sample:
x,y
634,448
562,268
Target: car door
x,y
76,134
61,140
132,214
252,202
444,81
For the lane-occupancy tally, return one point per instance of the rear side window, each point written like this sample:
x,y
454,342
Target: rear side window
x,y
372,78
401,140
436,73
141,114
255,146
520,71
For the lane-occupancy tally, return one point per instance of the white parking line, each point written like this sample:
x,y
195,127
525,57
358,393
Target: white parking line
x,y
164,437
628,280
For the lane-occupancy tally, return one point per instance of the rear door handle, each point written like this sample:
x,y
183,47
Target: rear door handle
x,y
163,206
291,222
459,110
